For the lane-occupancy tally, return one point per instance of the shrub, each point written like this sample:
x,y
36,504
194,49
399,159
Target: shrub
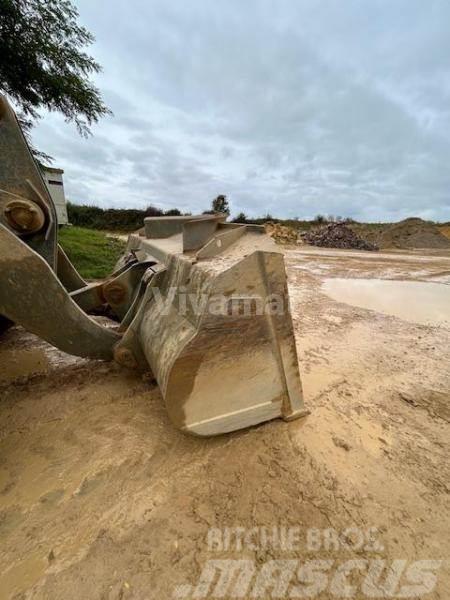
x,y
113,219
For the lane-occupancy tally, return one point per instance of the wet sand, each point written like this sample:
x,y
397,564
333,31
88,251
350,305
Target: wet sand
x,y
101,498
422,302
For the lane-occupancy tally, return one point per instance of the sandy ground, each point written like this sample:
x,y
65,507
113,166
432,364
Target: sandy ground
x,y
101,498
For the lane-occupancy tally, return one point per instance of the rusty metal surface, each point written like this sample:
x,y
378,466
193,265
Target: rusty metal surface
x,y
119,291
90,297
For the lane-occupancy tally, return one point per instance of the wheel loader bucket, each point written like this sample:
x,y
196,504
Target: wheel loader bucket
x,y
201,303
215,326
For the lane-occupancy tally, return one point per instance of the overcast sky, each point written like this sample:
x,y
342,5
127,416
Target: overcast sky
x,y
290,107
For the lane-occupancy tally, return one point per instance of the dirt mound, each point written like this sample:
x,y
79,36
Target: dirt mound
x,y
445,229
337,235
281,233
413,233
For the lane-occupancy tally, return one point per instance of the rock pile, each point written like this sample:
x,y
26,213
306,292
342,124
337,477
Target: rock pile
x,y
281,233
337,235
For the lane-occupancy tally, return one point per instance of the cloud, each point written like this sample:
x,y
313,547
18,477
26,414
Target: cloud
x,y
290,108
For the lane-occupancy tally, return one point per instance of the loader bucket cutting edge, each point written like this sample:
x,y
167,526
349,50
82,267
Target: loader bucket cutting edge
x,y
202,303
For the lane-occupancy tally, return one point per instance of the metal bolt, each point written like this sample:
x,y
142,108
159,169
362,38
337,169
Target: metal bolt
x,y
125,357
23,215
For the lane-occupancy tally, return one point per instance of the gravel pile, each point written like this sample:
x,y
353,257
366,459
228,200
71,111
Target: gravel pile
x,y
337,235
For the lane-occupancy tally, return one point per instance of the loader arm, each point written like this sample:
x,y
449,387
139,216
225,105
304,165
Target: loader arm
x,y
32,295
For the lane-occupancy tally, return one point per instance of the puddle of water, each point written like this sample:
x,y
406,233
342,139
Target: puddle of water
x,y
340,254
414,301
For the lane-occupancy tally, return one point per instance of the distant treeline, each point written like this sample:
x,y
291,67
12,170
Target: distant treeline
x,y
113,219
130,219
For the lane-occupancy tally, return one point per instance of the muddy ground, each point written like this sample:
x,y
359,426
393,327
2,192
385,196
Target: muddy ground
x,y
101,498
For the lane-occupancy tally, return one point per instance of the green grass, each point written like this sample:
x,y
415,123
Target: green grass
x,y
92,252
